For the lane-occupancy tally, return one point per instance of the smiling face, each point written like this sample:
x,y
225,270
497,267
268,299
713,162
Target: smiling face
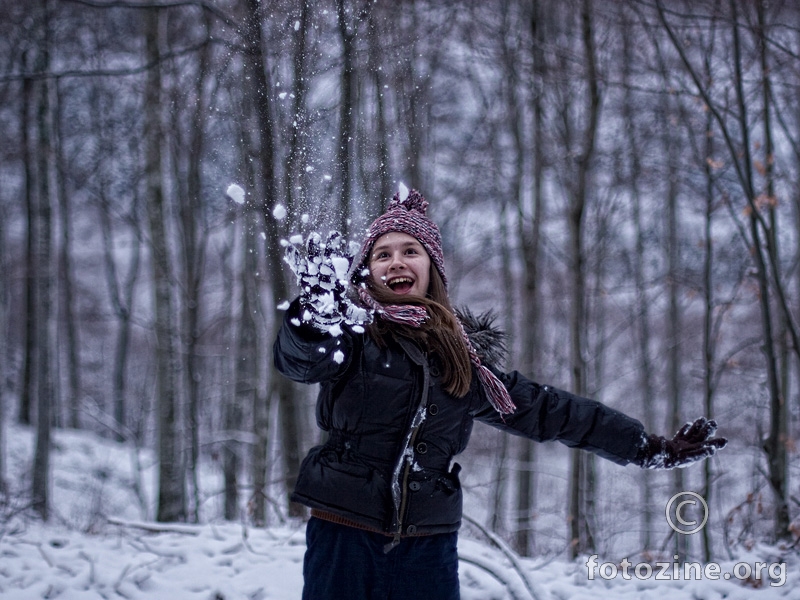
x,y
400,262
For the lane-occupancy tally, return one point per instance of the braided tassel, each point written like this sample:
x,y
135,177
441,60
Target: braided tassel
x,y
496,392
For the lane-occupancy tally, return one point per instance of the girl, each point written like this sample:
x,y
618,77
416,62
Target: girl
x,y
403,377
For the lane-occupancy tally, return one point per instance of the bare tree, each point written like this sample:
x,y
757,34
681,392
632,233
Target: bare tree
x,y
194,237
581,145
641,306
171,477
43,231
26,394
66,270
763,251
280,387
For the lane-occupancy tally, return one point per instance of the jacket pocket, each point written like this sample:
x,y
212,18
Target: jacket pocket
x,y
327,479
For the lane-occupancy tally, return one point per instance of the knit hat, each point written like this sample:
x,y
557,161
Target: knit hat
x,y
407,215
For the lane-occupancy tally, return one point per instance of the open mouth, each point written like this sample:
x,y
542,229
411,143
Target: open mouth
x,y
400,285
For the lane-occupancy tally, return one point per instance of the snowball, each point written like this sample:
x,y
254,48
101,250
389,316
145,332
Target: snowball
x,y
296,239
263,235
336,331
296,25
283,305
282,95
295,322
235,193
338,357
279,212
304,218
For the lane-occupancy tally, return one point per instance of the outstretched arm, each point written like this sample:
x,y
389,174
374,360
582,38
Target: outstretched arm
x,y
546,413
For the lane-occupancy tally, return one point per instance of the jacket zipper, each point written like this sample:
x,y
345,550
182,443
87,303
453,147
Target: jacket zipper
x,y
403,497
418,357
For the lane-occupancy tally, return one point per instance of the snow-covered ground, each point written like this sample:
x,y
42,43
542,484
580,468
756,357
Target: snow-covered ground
x,y
96,547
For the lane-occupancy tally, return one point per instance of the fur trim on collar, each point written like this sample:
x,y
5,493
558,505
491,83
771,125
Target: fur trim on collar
x,y
487,338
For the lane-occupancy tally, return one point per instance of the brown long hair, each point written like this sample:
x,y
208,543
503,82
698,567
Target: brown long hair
x,y
440,334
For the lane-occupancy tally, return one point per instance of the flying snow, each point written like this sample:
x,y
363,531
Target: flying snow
x,y
403,191
235,193
279,212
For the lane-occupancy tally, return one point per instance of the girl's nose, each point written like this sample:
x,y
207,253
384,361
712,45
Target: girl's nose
x,y
397,262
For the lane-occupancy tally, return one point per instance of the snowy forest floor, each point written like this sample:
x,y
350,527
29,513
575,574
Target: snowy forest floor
x,y
95,547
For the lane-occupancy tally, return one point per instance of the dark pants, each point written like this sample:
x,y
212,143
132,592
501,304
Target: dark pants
x,y
344,563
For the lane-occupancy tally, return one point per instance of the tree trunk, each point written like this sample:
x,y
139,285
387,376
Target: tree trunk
x,y
708,315
44,288
580,535
5,345
279,386
642,303
27,383
171,476
67,285
779,414
246,372
122,304
672,324
376,60
194,242
347,84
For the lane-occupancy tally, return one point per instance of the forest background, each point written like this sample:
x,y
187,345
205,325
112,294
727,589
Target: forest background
x,y
617,180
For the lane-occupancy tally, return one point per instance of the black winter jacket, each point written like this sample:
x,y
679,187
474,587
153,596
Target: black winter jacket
x,y
393,430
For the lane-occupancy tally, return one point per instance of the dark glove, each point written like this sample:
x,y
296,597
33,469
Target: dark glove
x,y
694,442
322,270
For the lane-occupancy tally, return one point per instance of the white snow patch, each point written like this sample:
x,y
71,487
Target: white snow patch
x,y
338,357
341,265
235,193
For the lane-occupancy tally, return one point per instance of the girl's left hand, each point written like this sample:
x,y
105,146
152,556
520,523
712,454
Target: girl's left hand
x,y
692,443
322,270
